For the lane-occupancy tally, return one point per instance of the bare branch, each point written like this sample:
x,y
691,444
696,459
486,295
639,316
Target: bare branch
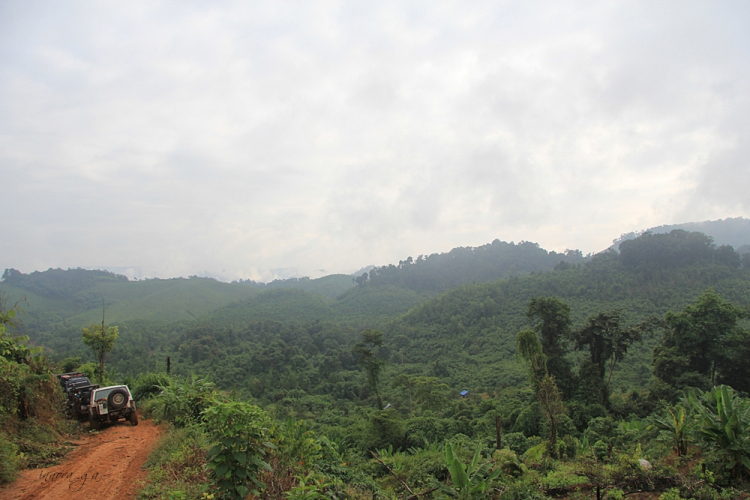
x,y
394,474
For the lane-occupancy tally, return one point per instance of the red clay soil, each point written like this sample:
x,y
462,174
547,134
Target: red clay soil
x,y
106,466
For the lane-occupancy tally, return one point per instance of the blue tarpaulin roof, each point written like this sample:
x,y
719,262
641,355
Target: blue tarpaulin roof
x,y
464,393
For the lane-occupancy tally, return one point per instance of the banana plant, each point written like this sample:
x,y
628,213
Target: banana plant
x,y
724,421
469,481
674,427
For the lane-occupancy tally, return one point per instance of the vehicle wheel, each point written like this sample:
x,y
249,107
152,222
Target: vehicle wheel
x,y
133,418
117,399
94,423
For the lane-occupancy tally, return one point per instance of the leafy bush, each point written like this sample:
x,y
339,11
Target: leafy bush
x,y
295,450
507,461
183,402
517,442
9,461
469,481
148,385
240,431
724,422
603,429
671,494
600,450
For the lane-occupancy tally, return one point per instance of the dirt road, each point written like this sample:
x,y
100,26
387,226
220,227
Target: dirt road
x,y
105,466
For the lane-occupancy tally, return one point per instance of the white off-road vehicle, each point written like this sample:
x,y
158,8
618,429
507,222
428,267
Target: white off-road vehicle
x,y
110,404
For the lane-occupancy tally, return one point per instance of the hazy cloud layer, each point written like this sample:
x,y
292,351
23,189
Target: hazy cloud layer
x,y
265,139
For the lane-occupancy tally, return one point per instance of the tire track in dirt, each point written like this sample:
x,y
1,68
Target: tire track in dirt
x,y
105,466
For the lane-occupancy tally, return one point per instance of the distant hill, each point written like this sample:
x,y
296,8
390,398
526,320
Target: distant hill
x,y
294,342
439,272
277,340
730,231
475,326
389,291
330,286
74,296
282,305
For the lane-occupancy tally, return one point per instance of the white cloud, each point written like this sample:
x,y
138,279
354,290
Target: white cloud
x,y
243,138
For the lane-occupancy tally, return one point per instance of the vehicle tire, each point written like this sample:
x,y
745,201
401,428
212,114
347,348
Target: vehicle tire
x,y
94,423
133,418
117,399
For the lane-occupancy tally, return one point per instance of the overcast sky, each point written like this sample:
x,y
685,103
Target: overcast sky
x,y
276,139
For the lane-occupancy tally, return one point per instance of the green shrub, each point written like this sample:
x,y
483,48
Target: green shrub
x,y
723,421
182,402
603,429
176,466
528,488
600,450
517,442
469,481
240,431
149,385
507,461
671,494
615,494
9,461
429,429
529,421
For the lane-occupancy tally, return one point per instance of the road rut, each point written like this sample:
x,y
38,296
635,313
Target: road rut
x,y
107,465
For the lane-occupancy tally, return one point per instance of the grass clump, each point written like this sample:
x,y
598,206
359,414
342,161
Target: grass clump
x,y
176,466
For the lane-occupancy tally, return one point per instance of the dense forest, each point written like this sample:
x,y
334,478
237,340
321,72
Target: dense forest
x,y
501,371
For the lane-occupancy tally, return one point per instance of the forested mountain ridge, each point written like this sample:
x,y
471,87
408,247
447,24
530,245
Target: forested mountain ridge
x,y
578,361
60,302
287,340
73,296
734,231
439,272
472,325
76,296
476,325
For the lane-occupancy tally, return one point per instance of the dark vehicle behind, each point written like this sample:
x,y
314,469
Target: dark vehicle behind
x,y
77,388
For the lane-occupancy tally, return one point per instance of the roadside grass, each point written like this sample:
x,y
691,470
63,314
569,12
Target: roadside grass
x,y
34,444
176,466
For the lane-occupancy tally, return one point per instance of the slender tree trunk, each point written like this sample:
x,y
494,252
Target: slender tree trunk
x,y
553,430
611,371
101,358
498,432
411,407
377,393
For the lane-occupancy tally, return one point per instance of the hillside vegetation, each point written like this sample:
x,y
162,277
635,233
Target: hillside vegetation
x,y
553,381
730,231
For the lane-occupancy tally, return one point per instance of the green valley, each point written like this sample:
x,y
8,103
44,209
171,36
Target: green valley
x,y
612,346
